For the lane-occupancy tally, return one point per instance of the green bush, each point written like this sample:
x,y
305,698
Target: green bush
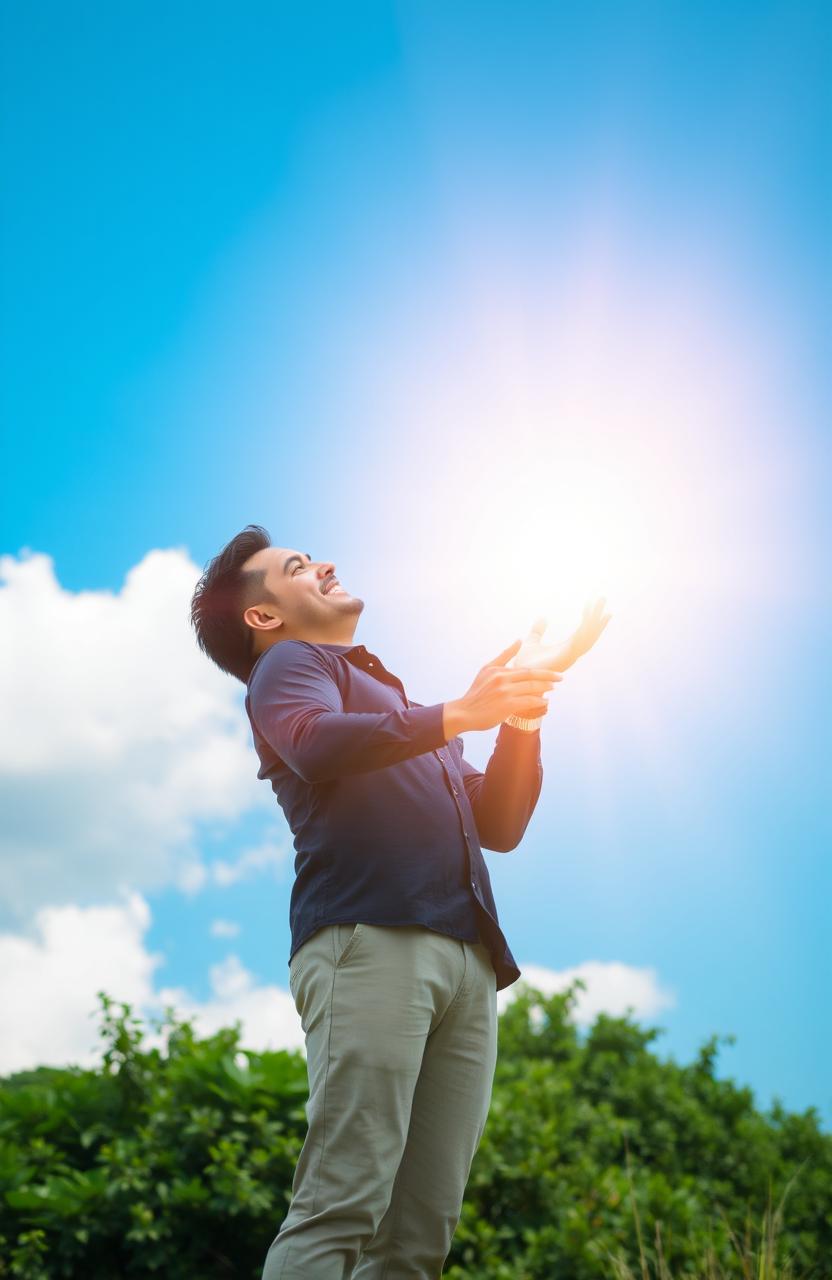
x,y
598,1160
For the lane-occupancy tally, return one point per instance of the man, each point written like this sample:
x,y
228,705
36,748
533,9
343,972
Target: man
x,y
396,954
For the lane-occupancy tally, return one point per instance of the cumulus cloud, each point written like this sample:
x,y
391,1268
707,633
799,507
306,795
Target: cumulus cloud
x,y
118,736
195,875
224,928
249,863
49,1010
48,986
611,988
267,1012
48,982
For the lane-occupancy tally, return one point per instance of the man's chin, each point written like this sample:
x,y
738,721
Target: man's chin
x,y
346,602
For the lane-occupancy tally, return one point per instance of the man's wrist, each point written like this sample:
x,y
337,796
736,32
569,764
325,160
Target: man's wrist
x,y
453,720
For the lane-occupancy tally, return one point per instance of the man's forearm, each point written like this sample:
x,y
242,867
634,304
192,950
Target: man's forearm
x,y
454,720
504,797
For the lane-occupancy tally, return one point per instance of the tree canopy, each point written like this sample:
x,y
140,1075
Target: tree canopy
x,y
599,1159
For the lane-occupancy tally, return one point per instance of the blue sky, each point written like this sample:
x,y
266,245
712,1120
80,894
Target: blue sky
x,y
498,307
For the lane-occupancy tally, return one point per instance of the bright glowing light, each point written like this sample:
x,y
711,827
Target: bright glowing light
x,y
618,439
583,413
613,432
585,537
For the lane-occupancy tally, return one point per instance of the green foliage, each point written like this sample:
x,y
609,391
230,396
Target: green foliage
x,y
598,1160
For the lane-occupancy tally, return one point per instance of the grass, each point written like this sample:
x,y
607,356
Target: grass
x,y
758,1260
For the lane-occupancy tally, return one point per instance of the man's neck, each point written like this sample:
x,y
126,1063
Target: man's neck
x,y
315,638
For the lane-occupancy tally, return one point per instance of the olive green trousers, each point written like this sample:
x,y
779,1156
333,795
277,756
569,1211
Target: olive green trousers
x,y
401,1045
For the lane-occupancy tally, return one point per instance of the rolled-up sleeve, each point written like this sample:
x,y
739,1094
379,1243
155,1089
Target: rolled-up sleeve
x,y
295,704
503,798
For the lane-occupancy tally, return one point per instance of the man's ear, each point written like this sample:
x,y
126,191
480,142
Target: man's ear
x,y
261,618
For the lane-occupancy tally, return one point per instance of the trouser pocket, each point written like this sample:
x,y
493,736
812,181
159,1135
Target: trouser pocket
x,y
345,938
327,951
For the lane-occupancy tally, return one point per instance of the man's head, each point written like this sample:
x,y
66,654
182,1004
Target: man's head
x,y
252,595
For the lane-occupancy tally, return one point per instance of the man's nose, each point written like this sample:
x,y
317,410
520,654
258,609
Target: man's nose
x,y
324,570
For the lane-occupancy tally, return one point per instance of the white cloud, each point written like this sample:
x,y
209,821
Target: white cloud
x,y
192,877
49,1010
224,929
267,1012
610,988
50,1014
249,863
48,982
118,736
195,875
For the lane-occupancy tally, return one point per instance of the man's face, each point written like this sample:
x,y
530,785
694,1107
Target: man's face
x,y
302,600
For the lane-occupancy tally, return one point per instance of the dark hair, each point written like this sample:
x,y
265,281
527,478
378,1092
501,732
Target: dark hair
x,y
222,593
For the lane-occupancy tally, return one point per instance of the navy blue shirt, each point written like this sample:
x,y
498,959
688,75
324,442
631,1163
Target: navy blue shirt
x,y
389,820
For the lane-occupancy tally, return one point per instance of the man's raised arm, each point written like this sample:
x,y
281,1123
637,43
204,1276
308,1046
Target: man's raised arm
x,y
296,706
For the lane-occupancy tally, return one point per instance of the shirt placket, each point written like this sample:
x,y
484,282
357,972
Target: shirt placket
x,y
455,783
371,663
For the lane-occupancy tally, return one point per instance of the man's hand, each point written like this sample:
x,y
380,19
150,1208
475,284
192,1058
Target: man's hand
x,y
589,629
498,693
534,652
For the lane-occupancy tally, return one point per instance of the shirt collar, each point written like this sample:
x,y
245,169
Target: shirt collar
x,y
334,648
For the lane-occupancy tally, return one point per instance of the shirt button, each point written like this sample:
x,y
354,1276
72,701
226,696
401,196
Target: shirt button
x,y
369,664
465,833
456,793
474,885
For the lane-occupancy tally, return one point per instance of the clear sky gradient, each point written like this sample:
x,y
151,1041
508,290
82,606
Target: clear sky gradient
x,y
499,307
